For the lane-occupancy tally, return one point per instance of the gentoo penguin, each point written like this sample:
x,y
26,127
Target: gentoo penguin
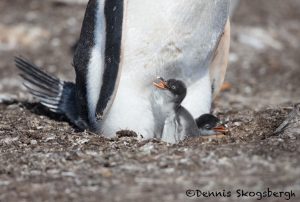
x,y
173,123
210,125
123,46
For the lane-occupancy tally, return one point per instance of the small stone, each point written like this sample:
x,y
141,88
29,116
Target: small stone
x,y
237,123
105,172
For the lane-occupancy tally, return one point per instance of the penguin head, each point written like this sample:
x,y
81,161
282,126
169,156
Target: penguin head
x,y
210,125
173,90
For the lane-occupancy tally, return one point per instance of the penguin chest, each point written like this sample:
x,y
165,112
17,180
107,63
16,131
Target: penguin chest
x,y
171,38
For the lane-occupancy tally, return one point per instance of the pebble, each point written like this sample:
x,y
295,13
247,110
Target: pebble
x,y
105,172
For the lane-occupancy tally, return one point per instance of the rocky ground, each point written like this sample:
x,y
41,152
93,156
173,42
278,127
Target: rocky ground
x,y
43,158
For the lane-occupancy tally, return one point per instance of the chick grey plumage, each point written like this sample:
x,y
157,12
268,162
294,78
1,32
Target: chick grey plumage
x,y
173,122
291,125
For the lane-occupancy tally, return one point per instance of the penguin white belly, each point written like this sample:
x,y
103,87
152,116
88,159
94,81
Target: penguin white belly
x,y
199,97
172,39
131,109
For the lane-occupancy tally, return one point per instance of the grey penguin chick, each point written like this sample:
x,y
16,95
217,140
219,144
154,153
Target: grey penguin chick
x,y
209,124
291,125
173,122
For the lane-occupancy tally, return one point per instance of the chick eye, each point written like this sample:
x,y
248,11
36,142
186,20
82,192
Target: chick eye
x,y
173,87
207,126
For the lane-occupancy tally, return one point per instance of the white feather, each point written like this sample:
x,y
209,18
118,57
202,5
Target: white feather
x,y
199,97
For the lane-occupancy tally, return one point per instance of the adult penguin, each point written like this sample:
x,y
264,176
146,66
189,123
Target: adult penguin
x,y
124,45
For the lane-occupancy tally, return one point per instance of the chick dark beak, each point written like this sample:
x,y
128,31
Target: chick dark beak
x,y
162,84
220,129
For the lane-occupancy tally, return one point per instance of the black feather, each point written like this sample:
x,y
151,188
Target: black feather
x,y
58,96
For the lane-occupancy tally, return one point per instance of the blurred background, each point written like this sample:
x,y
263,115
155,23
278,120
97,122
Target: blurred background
x,y
264,59
263,64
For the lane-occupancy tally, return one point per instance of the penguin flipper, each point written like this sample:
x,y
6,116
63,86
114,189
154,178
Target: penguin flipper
x,y
56,95
97,57
219,63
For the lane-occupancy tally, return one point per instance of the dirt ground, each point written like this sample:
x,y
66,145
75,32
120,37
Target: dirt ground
x,y
43,158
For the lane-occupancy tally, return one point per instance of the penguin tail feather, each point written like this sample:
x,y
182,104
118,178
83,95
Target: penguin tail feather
x,y
58,96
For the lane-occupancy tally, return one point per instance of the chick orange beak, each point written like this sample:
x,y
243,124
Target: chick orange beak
x,y
161,84
220,129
